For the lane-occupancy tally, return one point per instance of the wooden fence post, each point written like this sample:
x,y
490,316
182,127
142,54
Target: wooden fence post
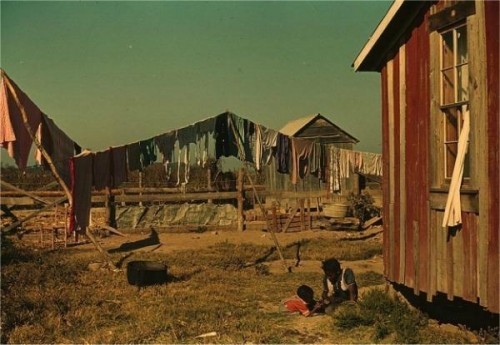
x,y
275,217
309,218
241,217
209,182
140,186
302,220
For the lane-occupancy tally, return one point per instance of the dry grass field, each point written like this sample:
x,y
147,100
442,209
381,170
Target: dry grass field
x,y
224,282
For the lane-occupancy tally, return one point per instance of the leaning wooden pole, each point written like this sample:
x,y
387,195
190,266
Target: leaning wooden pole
x,y
269,225
31,195
99,248
28,217
35,140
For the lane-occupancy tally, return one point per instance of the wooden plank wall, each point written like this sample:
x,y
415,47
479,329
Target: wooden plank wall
x,y
414,272
418,252
492,47
385,175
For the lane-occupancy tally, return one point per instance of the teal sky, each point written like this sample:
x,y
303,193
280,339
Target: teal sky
x,y
111,73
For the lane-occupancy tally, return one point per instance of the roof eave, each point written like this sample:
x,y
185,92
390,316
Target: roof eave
x,y
395,23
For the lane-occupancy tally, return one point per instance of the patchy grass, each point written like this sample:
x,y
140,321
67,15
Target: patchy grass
x,y
369,278
391,320
50,297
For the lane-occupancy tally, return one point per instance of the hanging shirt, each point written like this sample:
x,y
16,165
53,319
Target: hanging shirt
x,y
283,153
147,152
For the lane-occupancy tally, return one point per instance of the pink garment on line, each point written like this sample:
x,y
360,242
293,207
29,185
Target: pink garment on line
x,y
13,134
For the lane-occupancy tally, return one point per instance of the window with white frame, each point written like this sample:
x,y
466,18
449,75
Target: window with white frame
x,y
454,92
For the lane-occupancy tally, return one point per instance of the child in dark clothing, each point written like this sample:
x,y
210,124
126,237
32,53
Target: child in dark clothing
x,y
303,302
338,284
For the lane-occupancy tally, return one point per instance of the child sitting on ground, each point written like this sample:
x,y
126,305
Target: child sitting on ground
x,y
339,284
303,302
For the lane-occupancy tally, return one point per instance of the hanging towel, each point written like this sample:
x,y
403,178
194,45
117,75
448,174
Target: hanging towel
x,y
165,143
13,134
134,157
102,165
301,153
119,165
222,140
58,146
81,188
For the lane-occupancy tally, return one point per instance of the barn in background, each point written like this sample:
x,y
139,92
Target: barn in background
x,y
439,76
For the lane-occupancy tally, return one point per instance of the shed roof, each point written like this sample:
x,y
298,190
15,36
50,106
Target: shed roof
x,y
298,128
396,22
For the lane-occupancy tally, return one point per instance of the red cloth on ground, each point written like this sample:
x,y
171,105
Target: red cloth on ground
x,y
297,304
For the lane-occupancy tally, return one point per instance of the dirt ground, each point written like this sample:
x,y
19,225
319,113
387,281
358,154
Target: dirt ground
x,y
170,242
303,328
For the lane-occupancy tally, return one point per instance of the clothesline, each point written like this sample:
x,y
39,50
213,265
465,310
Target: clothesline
x,y
211,138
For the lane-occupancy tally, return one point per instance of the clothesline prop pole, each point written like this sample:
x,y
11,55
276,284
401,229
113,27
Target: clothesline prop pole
x,y
99,248
35,140
269,225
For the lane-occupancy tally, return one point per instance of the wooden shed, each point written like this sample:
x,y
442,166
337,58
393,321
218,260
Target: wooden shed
x,y
319,129
439,70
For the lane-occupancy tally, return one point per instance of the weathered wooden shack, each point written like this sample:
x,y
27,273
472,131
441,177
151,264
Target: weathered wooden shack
x,y
439,64
319,129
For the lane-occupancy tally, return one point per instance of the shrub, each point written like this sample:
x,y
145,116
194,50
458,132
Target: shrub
x,y
362,207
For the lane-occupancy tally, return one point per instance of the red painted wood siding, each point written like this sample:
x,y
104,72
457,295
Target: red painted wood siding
x,y
396,178
385,172
417,152
454,269
492,38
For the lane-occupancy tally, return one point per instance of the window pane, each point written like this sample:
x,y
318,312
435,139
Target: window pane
x,y
448,79
447,50
450,156
467,165
462,55
463,83
451,125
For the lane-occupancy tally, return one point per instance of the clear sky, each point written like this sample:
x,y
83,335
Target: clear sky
x,y
111,73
